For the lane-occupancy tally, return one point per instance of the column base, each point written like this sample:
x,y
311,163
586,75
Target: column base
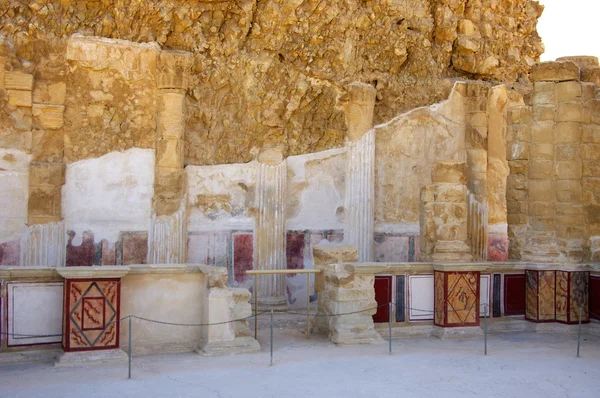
x,y
365,337
272,303
456,332
96,357
240,345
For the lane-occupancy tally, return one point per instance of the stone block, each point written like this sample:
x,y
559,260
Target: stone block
x,y
169,153
517,181
44,201
590,133
542,224
541,170
517,219
541,191
518,132
49,93
19,98
165,206
477,161
569,112
449,193
542,131
516,194
47,174
331,253
519,115
450,172
591,151
18,81
168,183
567,152
47,145
544,93
567,132
542,151
174,67
568,191
514,207
588,91
451,232
171,114
452,213
517,150
48,116
570,219
590,184
591,75
542,209
568,170
568,208
518,166
568,91
544,112
556,71
591,168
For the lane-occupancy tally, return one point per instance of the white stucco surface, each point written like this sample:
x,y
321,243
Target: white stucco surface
x,y
109,194
14,192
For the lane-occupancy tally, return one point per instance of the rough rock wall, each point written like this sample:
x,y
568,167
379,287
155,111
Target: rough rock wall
x,y
263,71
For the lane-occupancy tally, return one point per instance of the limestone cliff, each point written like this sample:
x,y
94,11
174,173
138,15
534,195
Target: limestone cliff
x,y
263,71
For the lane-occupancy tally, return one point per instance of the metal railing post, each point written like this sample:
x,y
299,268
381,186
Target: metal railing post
x,y
307,306
390,328
256,307
129,348
485,314
579,332
271,338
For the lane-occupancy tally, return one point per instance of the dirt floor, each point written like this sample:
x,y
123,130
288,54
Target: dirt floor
x,y
520,364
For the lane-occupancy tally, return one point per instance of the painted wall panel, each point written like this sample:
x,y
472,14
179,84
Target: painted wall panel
x,y
514,294
420,297
34,309
383,296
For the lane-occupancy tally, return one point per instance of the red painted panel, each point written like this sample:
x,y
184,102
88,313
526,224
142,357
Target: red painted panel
x,y
514,294
594,296
383,295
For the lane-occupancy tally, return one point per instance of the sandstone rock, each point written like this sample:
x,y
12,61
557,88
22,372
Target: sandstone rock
x,y
48,116
557,71
18,81
451,172
19,98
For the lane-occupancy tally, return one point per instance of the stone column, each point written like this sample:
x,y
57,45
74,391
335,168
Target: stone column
x,y
167,237
444,215
360,170
270,228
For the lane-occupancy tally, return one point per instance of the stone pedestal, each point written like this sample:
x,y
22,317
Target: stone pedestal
x,y
92,297
557,295
227,305
347,305
456,296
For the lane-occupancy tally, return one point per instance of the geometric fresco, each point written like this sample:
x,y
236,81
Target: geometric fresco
x,y
91,305
461,298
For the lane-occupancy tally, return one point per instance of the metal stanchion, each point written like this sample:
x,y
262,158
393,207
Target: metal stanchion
x,y
129,348
307,306
390,328
579,332
271,338
255,307
485,314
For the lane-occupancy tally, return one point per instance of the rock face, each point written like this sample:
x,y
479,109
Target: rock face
x,y
262,73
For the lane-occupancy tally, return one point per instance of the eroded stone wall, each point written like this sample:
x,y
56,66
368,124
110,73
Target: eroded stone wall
x,y
262,72
552,191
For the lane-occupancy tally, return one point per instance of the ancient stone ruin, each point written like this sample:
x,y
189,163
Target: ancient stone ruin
x,y
413,152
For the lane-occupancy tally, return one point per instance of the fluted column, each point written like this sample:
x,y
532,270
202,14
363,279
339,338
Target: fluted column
x,y
360,170
270,229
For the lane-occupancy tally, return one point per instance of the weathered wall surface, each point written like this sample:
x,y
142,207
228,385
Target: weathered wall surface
x,y
14,172
104,198
167,297
263,72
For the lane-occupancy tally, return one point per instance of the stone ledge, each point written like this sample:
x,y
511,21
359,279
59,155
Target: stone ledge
x,y
35,356
240,345
97,357
93,272
457,332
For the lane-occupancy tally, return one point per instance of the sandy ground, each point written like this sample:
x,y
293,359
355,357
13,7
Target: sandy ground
x,y
517,365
